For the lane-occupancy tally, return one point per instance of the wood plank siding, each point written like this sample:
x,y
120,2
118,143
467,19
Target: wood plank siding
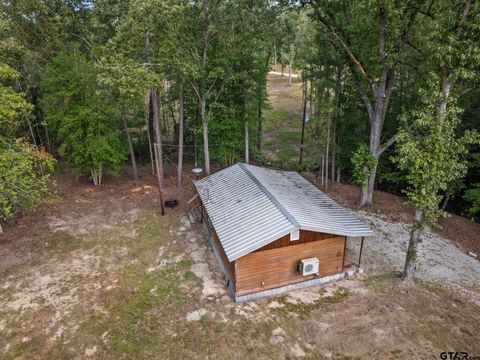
x,y
305,237
267,269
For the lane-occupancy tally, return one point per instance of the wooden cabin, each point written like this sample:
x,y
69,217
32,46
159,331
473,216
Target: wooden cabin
x,y
273,230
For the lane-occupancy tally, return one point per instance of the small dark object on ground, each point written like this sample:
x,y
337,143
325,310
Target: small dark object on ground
x,y
171,203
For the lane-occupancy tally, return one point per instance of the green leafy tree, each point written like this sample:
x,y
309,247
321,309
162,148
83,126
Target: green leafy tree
x,y
472,194
83,122
363,165
24,169
24,177
433,156
431,152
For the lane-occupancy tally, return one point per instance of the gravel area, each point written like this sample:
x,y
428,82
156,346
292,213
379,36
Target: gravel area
x,y
439,259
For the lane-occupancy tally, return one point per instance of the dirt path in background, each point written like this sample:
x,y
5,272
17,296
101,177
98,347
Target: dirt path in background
x,y
282,96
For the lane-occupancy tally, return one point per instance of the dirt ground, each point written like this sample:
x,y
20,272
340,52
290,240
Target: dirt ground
x,y
98,274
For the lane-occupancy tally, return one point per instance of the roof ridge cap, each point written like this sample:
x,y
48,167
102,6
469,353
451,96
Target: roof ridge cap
x,y
270,196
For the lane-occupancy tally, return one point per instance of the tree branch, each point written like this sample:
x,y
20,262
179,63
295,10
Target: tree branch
x,y
392,140
193,87
348,51
467,91
368,104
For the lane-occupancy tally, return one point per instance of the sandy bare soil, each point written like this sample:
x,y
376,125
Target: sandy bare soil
x,y
102,275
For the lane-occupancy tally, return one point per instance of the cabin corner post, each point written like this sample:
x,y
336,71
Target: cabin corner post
x,y
360,252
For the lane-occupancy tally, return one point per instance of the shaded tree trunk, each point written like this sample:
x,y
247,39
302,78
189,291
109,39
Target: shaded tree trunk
x,y
49,145
275,57
327,150
289,72
158,135
31,131
304,119
332,169
245,121
203,116
377,112
415,234
323,168
260,115
261,89
445,202
180,134
149,123
130,145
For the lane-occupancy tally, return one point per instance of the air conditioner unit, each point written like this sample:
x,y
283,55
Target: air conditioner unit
x,y
309,266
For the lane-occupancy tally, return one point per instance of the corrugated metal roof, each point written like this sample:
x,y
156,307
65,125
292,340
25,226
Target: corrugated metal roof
x,y
251,206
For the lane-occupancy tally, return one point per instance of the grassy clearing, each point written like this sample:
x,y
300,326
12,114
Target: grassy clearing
x,y
62,241
282,130
378,282
139,309
434,288
304,310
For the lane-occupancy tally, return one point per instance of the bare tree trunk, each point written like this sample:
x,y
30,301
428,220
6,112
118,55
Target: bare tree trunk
x,y
283,66
180,134
158,135
310,98
323,163
245,121
338,174
327,152
289,72
275,58
207,13
130,145
148,98
336,118
415,234
1,229
158,151
261,91
445,202
49,145
304,119
195,151
332,171
31,131
260,115
203,116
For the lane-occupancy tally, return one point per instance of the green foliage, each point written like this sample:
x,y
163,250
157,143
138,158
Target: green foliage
x,y
24,169
12,103
24,177
430,151
472,195
83,121
363,165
